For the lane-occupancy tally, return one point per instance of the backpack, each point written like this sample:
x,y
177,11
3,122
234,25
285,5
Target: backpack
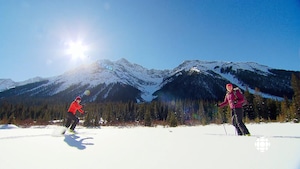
x,y
238,89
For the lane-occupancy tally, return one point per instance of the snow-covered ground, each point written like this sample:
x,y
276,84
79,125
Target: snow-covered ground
x,y
151,148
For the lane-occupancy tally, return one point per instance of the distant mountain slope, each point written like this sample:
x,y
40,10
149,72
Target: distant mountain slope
x,y
125,81
207,80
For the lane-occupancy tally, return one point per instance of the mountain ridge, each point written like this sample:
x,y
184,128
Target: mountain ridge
x,y
193,79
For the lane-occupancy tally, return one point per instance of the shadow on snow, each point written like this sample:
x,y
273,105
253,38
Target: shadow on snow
x,y
77,142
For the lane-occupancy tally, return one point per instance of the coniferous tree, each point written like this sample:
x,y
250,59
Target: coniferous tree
x,y
173,120
284,113
179,111
258,105
147,118
97,120
272,109
88,120
248,108
11,119
220,118
201,113
295,82
293,111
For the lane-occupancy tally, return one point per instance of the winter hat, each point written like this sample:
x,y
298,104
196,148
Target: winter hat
x,y
78,98
228,85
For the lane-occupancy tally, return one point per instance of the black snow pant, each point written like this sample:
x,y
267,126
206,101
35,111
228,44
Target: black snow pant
x,y
237,121
71,117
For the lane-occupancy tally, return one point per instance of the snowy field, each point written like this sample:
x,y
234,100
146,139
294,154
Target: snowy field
x,y
206,147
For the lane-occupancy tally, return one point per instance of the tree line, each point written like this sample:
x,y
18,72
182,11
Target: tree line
x,y
171,113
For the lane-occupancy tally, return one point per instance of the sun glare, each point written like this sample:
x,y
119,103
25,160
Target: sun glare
x,y
76,50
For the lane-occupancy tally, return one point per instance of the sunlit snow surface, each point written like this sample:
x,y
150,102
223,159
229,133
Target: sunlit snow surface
x,y
151,148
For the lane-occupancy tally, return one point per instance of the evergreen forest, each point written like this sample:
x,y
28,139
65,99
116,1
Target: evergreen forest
x,y
171,113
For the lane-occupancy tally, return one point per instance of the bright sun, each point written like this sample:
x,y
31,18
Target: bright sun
x,y
76,50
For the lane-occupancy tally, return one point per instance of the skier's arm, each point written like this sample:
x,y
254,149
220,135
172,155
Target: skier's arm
x,y
79,108
224,103
81,111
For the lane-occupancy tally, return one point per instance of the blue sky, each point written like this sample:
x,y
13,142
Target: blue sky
x,y
35,35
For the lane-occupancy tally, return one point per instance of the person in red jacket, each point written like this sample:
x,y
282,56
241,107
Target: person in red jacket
x,y
235,100
71,114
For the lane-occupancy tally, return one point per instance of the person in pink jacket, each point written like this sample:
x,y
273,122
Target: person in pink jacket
x,y
235,100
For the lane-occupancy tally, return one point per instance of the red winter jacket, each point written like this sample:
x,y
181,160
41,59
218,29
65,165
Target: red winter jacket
x,y
74,107
235,100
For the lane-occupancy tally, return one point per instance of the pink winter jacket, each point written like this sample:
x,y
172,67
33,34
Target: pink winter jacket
x,y
234,100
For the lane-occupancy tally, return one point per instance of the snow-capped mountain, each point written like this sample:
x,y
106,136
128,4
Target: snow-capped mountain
x,y
6,84
105,72
206,80
123,81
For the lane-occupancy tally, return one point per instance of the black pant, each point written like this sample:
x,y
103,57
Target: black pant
x,y
71,117
237,121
